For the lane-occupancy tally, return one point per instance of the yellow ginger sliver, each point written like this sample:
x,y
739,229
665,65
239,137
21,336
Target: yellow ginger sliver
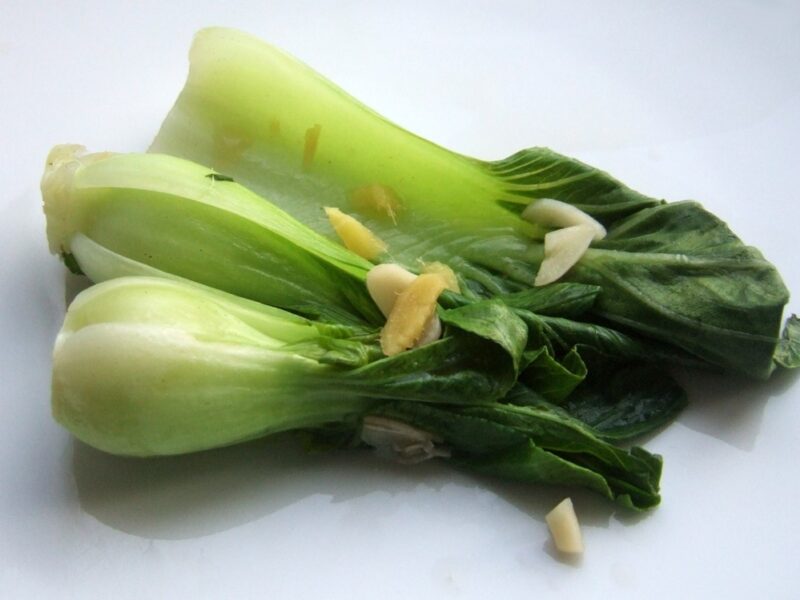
x,y
354,235
412,311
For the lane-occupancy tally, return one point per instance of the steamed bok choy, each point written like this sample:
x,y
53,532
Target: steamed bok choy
x,y
286,259
147,366
116,215
669,272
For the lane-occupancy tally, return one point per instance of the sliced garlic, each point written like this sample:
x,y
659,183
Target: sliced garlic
x,y
554,213
562,249
412,314
386,282
354,235
564,527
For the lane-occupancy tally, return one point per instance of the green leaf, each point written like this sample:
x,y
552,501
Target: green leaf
x,y
598,345
541,173
567,300
553,379
624,405
536,445
493,321
677,273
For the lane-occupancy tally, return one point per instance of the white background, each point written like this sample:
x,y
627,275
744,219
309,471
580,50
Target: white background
x,y
678,99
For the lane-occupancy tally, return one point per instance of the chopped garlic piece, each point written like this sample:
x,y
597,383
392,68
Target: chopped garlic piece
x,y
400,441
445,272
562,249
412,312
554,213
564,527
376,200
354,235
386,282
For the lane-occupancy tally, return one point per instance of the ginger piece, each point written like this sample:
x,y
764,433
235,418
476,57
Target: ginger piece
x,y
354,235
412,314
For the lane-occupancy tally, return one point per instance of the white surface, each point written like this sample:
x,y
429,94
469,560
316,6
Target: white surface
x,y
678,99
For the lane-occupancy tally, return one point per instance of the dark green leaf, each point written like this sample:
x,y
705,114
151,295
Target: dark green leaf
x,y
676,272
554,379
536,445
633,401
493,321
541,173
568,300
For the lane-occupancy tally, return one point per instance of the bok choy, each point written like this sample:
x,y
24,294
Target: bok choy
x,y
286,259
149,366
113,214
669,272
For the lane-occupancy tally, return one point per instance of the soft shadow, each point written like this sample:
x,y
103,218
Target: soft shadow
x,y
730,408
198,494
189,496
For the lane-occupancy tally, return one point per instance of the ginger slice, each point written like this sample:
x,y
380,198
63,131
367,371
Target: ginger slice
x,y
354,235
411,314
